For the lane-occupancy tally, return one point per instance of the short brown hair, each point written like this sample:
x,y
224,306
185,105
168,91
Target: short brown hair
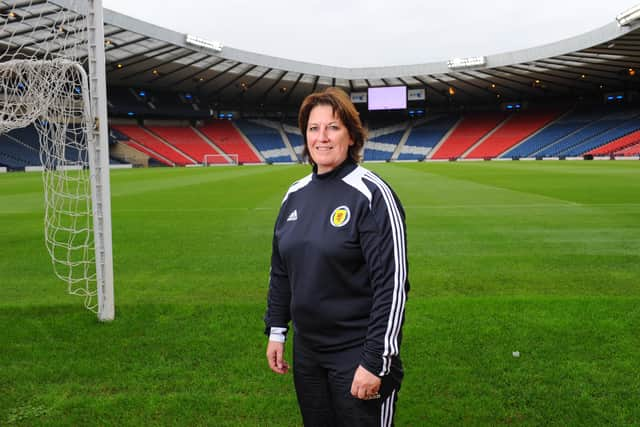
x,y
344,109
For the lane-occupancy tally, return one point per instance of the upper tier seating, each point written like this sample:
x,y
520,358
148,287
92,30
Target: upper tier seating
x,y
127,102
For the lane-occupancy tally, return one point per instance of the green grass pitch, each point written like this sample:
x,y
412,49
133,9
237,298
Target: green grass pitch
x,y
537,257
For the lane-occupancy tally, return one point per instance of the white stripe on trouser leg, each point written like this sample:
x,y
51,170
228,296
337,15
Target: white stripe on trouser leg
x,y
386,412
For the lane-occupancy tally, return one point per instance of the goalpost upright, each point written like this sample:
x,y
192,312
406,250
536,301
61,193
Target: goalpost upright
x,y
53,80
99,163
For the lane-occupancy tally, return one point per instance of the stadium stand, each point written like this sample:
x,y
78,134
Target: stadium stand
x,y
161,160
130,102
382,143
467,132
617,145
629,124
171,105
229,140
517,127
21,147
15,155
377,123
424,137
561,127
295,139
633,150
475,135
116,135
154,145
266,139
124,102
190,142
592,124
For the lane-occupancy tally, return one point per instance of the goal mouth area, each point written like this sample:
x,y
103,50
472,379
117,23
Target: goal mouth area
x,y
50,97
220,160
53,118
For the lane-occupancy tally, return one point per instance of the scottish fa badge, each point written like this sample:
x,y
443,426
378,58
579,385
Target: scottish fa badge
x,y
340,216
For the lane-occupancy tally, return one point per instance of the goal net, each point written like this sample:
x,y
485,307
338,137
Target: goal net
x,y
52,85
220,159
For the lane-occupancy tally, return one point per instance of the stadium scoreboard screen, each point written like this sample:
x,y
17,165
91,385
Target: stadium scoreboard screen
x,y
387,98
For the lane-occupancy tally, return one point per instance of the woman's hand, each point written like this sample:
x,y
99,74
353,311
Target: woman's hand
x,y
275,353
365,385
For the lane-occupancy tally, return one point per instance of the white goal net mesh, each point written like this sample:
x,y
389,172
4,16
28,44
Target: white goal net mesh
x,y
45,108
220,159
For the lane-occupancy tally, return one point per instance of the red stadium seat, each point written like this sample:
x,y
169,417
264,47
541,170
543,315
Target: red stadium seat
x,y
617,146
228,139
472,128
514,130
188,141
150,141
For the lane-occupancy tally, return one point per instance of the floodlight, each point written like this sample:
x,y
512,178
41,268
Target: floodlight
x,y
472,61
209,44
629,16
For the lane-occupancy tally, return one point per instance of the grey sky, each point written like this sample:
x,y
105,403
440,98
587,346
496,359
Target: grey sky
x,y
377,32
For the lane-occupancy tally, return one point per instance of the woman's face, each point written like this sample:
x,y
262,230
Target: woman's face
x,y
328,139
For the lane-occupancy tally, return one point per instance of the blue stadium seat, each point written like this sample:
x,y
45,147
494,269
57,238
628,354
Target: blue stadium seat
x,y
424,137
631,124
265,139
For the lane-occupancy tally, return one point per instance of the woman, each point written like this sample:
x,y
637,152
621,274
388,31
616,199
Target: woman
x,y
339,272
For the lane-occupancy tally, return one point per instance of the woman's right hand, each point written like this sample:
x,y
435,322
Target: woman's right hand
x,y
275,354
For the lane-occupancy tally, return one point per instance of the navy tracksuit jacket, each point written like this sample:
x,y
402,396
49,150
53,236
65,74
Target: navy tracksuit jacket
x,y
339,266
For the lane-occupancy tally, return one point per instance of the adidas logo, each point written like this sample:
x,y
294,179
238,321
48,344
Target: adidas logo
x,y
293,216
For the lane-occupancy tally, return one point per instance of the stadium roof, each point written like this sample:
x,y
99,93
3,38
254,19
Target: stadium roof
x,y
143,55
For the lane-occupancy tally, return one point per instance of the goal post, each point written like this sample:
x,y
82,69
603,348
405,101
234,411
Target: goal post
x,y
99,159
53,81
220,160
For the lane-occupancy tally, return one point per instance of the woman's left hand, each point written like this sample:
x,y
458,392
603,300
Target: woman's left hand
x,y
365,385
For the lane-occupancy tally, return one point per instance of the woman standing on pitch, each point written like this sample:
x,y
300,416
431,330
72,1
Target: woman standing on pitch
x,y
339,271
